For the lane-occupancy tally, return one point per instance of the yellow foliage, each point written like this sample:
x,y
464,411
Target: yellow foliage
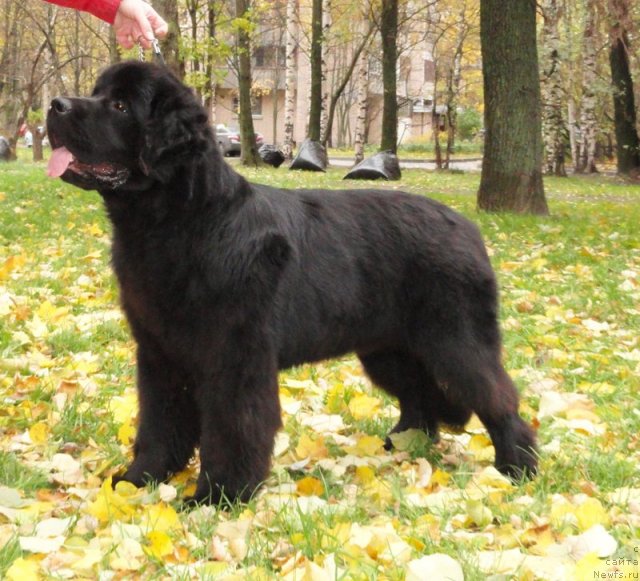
x,y
39,433
110,505
160,517
364,406
159,544
311,447
23,570
310,486
591,512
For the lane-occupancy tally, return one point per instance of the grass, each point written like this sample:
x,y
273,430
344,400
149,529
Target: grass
x,y
570,296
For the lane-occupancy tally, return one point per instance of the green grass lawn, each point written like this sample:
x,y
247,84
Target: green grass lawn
x,y
337,506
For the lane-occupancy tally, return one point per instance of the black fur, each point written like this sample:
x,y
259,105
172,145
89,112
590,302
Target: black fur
x,y
226,282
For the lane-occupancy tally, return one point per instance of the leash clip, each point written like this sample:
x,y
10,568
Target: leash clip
x,y
155,47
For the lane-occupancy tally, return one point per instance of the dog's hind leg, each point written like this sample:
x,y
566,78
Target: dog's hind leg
x,y
422,404
472,375
168,426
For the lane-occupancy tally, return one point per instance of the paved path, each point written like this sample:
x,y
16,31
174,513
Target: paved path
x,y
461,164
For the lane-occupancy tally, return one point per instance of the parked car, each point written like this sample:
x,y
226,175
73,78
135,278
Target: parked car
x,y
229,140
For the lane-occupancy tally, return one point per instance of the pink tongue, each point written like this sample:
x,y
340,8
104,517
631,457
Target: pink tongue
x,y
60,159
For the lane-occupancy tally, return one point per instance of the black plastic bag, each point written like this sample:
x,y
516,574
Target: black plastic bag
x,y
383,165
311,157
5,149
271,155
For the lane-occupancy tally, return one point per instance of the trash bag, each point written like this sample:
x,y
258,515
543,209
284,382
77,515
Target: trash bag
x,y
311,157
5,149
271,155
383,165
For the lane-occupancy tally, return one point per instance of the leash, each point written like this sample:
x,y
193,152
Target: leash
x,y
155,48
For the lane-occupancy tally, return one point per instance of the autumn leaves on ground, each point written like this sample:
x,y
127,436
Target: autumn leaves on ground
x,y
337,505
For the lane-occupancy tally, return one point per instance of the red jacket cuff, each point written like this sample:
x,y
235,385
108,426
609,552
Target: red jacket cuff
x,y
103,9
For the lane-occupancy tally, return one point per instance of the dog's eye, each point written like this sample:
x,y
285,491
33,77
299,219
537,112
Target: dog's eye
x,y
120,106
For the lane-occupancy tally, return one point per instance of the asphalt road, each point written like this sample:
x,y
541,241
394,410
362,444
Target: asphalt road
x,y
461,164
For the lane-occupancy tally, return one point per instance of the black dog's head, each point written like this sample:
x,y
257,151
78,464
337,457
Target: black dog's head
x,y
139,125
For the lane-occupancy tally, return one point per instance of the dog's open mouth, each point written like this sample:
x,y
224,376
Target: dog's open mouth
x,y
104,173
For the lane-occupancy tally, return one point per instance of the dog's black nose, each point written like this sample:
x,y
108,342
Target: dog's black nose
x,y
61,105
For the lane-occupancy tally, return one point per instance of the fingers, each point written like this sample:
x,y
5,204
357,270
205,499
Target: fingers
x,y
160,27
137,22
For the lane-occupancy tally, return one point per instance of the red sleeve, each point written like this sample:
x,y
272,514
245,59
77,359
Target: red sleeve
x,y
103,9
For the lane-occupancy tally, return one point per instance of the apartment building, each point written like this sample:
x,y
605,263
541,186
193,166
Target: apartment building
x,y
416,73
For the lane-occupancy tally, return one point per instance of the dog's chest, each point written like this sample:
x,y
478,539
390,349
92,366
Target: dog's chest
x,y
155,283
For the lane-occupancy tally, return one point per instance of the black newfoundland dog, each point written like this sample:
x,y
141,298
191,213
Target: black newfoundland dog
x,y
225,282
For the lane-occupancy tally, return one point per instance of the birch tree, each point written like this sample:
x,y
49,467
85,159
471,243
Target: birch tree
x,y
553,125
361,120
324,102
586,159
290,78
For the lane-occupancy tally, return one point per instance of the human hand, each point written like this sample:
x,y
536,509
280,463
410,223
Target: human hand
x,y
136,21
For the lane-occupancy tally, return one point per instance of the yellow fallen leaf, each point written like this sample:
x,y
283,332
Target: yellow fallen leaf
x,y
591,512
159,545
109,504
124,407
367,446
562,514
365,474
440,477
50,313
126,433
310,486
409,440
311,447
586,566
538,539
479,514
161,517
481,447
364,406
11,264
39,433
23,570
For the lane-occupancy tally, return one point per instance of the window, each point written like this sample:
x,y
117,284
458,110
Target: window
x,y
429,71
256,106
269,56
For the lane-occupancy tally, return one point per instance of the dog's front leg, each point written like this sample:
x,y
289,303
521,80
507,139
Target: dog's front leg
x,y
168,426
240,415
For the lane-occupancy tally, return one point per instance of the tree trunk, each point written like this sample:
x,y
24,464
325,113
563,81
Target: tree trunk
x,y
627,141
453,88
210,96
249,150
315,110
512,165
389,33
553,127
586,159
171,43
324,102
290,80
361,120
574,143
342,85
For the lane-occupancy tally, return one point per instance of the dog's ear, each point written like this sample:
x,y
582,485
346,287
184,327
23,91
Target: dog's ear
x,y
177,132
